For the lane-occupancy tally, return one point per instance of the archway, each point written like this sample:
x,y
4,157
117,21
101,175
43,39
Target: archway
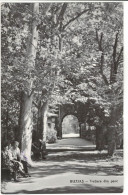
x,y
70,126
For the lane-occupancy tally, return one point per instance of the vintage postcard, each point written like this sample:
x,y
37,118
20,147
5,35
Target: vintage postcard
x,y
62,86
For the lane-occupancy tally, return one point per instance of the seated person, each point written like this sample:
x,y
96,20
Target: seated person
x,y
13,159
6,162
16,156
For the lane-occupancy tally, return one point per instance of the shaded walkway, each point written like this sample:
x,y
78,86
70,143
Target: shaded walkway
x,y
74,143
93,171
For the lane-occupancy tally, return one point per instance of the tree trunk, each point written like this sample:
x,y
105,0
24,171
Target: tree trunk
x,y
7,128
113,73
39,121
111,141
112,133
42,121
26,125
25,120
99,138
45,120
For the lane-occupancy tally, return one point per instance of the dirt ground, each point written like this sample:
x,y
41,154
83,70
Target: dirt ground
x,y
72,172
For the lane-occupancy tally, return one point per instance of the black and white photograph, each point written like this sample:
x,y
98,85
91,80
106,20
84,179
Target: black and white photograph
x,y
62,86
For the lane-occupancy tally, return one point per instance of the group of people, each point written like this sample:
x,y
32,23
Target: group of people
x,y
11,159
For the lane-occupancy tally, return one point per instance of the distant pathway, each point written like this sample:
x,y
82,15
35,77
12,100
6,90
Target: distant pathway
x,y
71,143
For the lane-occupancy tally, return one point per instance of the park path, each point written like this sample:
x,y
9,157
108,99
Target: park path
x,y
71,143
71,172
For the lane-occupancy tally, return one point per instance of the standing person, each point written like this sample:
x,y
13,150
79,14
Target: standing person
x,y
42,147
17,156
36,151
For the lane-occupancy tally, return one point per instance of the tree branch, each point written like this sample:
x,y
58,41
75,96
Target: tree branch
x,y
73,19
104,78
35,104
114,48
99,40
114,65
118,59
32,91
101,37
61,14
97,37
63,9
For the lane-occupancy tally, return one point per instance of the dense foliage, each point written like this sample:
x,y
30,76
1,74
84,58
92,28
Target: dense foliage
x,y
79,59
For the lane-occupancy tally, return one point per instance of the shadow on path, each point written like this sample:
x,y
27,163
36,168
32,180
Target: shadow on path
x,y
75,189
54,174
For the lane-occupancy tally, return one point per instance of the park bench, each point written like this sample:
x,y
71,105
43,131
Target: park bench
x,y
5,174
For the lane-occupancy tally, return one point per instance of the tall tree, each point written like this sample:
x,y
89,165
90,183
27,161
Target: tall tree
x,y
73,64
25,121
